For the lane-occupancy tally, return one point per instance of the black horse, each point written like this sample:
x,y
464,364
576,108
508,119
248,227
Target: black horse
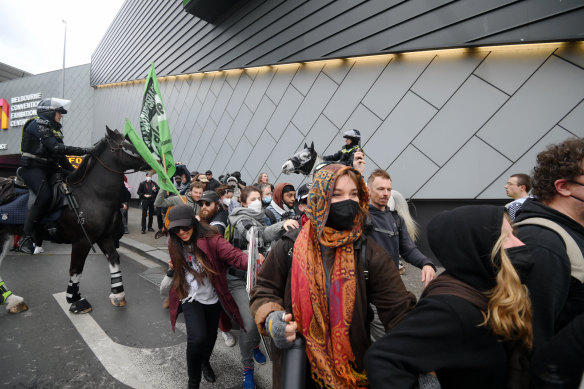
x,y
304,161
97,187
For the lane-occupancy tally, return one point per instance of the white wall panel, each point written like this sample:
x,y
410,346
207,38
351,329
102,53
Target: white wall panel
x,y
470,107
553,91
466,174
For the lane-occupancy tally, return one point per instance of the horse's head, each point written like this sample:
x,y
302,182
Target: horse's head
x,y
126,155
302,162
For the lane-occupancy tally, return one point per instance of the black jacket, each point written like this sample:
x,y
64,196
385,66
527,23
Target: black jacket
x,y
44,139
150,188
443,333
556,297
389,230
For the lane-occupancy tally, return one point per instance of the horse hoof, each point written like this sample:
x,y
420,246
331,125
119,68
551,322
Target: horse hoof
x,y
118,302
20,307
80,306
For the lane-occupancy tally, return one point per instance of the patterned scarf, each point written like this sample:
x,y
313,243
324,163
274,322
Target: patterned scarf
x,y
326,324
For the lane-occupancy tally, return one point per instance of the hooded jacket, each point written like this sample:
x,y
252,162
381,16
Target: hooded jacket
x,y
243,219
556,297
443,333
163,200
277,207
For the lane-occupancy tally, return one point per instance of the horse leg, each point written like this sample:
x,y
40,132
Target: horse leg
x,y
117,296
14,303
79,253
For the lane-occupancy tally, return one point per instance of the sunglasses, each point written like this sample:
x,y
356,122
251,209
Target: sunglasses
x,y
176,230
205,203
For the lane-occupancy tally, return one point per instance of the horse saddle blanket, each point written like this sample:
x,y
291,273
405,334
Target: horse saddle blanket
x,y
15,212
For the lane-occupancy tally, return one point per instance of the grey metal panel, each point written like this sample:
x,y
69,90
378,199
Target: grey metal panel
x,y
444,76
507,70
394,82
261,32
524,164
284,112
410,171
306,75
314,103
363,120
337,70
280,82
260,119
221,103
257,157
240,123
222,132
258,88
323,134
399,129
454,179
467,111
352,90
286,146
530,113
571,53
574,121
239,93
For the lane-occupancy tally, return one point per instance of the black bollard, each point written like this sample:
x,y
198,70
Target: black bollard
x,y
294,366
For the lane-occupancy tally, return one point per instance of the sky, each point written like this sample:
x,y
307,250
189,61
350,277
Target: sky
x,y
32,32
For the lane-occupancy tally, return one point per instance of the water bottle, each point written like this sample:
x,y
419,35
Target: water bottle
x,y
294,366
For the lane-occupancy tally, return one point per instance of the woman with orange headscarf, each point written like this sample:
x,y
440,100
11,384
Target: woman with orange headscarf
x,y
314,282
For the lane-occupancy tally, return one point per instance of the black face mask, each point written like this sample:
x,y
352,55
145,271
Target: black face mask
x,y
342,214
520,258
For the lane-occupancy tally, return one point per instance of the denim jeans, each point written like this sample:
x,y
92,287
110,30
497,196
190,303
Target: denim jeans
x,y
250,338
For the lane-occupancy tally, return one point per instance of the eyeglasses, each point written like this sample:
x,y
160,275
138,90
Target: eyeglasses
x,y
204,203
176,230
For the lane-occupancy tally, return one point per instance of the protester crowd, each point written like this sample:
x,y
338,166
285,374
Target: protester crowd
x,y
507,312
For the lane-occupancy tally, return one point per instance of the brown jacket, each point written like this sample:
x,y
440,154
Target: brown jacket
x,y
386,291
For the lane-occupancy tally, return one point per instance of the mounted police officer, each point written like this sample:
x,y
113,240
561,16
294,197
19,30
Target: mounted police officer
x,y
43,154
345,155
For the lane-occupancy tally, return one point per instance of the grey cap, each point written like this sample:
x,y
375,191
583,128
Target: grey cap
x,y
210,196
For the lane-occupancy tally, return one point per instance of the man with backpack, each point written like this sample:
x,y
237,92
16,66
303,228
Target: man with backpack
x,y
554,272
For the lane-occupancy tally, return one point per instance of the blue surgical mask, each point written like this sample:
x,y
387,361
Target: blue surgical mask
x,y
267,199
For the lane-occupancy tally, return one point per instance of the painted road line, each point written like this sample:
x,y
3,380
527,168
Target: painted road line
x,y
135,367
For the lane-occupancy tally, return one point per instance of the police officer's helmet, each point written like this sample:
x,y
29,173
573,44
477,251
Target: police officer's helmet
x,y
352,134
47,107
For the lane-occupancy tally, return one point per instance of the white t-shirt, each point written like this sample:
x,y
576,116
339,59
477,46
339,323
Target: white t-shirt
x,y
203,292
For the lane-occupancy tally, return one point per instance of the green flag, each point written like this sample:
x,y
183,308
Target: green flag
x,y
154,123
163,181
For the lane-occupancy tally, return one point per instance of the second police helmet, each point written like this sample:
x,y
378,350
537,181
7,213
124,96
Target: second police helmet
x,y
47,108
354,135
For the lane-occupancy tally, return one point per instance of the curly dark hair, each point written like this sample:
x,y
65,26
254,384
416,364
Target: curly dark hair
x,y
559,161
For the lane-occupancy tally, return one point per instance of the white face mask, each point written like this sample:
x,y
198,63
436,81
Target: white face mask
x,y
255,205
148,179
227,202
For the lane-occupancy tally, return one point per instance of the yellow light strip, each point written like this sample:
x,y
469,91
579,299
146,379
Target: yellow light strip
x,y
579,45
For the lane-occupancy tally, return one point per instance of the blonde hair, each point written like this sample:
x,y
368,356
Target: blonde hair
x,y
509,310
397,202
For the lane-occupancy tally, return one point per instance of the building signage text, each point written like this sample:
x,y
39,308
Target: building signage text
x,y
22,108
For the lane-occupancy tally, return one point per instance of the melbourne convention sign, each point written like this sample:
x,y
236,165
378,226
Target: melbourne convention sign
x,y
20,109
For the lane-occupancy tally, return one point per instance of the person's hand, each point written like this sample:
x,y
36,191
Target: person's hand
x,y
428,274
147,195
262,258
359,161
124,206
290,330
290,224
170,265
